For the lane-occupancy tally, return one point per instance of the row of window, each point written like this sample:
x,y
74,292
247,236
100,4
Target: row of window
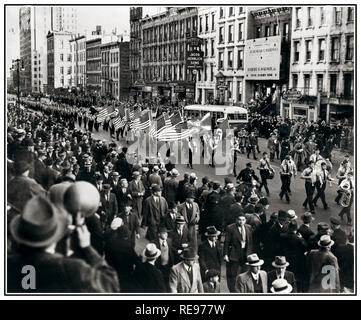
x,y
321,56
204,25
165,73
230,62
112,72
272,30
170,31
93,66
68,57
69,70
231,11
231,33
310,16
110,57
348,87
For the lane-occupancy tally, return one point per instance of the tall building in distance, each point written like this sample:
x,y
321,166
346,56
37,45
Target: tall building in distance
x,y
136,14
64,19
322,63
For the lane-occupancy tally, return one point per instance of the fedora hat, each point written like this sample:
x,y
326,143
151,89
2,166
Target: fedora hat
x,y
151,252
212,273
291,214
106,186
174,173
280,262
212,232
189,254
40,224
281,286
156,188
307,217
325,241
229,186
136,173
253,260
180,220
253,199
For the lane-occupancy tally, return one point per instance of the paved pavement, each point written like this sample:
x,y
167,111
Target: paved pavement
x,y
297,188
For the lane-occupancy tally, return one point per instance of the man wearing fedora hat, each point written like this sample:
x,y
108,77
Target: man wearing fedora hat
x,y
212,284
154,209
109,205
181,238
304,230
190,211
281,286
137,191
210,252
316,260
238,244
131,220
171,186
185,277
280,264
255,279
37,231
155,178
147,276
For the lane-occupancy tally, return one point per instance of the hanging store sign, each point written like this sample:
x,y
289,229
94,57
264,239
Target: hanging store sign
x,y
292,95
194,54
263,58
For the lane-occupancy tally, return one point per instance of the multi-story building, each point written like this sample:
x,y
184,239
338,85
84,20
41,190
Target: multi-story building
x,y
59,60
268,26
164,47
207,27
136,14
78,50
115,79
34,25
230,40
322,63
93,65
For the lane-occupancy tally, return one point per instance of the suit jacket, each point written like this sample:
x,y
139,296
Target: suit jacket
x,y
152,213
209,258
40,172
149,278
134,189
168,222
180,192
51,178
208,288
122,197
179,281
305,232
232,243
155,178
132,224
170,253
56,273
244,282
182,210
110,207
170,189
289,276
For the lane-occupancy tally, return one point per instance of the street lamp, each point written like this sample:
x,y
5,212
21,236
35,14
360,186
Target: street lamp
x,y
17,62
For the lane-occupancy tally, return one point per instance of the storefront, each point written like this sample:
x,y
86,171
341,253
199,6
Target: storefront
x,y
295,106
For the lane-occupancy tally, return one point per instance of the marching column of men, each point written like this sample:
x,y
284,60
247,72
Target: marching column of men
x,y
192,231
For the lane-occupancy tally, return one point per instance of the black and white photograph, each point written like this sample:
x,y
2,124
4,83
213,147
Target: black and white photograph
x,y
180,150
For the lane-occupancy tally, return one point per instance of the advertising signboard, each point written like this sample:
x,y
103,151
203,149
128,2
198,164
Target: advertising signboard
x,y
194,55
263,58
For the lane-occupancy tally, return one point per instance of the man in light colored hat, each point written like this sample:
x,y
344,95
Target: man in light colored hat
x,y
255,279
37,231
171,186
315,263
148,277
280,264
281,286
185,277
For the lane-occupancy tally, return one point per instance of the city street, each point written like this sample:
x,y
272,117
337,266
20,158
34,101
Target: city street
x,y
297,188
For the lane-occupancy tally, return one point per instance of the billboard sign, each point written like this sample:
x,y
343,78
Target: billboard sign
x,y
194,55
263,58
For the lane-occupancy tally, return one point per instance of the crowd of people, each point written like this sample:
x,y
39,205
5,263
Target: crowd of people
x,y
191,231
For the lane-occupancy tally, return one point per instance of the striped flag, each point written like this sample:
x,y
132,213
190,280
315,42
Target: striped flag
x,y
118,123
164,124
135,120
203,125
156,125
144,120
104,113
174,120
178,132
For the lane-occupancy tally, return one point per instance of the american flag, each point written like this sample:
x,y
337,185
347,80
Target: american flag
x,y
173,121
118,123
162,125
104,113
144,120
135,118
178,132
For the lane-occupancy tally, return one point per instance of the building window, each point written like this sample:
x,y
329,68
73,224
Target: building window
x,y
275,30
307,84
221,12
220,60
240,31
229,89
258,32
308,50
350,14
221,35
205,72
239,90
285,31
69,70
240,10
212,47
61,57
348,86
213,24
298,16
333,84
349,48
321,49
240,59
230,33
335,48
267,31
207,23
338,15
310,16
61,70
231,12
230,59
294,81
212,73
320,83
296,46
206,48
322,16
200,25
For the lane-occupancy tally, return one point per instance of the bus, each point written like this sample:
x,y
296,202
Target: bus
x,y
237,116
